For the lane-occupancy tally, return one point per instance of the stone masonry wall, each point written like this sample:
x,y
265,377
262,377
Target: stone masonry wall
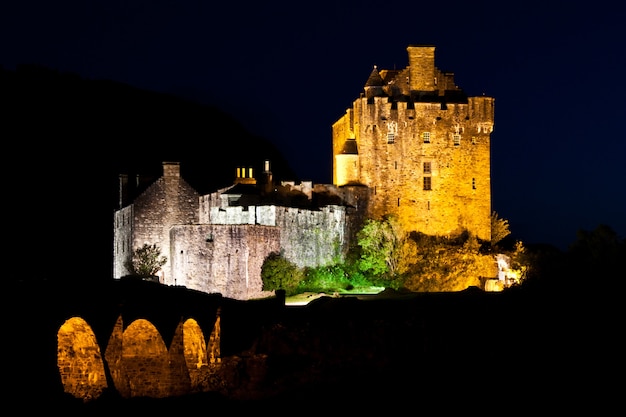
x,y
460,193
225,259
307,238
311,238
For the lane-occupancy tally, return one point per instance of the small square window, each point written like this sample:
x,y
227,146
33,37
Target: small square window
x,y
427,169
391,137
426,137
427,183
456,139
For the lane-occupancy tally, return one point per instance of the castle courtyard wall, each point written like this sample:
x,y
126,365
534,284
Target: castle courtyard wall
x,y
308,238
312,238
224,259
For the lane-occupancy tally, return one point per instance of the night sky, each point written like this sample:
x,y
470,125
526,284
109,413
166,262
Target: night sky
x,y
287,71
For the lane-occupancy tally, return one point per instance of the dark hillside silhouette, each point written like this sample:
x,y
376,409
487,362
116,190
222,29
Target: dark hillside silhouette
x,y
129,129
68,139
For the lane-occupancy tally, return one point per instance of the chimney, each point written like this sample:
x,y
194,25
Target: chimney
x,y
171,169
245,176
421,68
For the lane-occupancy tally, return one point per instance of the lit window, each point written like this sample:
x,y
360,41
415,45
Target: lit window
x,y
427,168
427,183
426,137
392,129
457,139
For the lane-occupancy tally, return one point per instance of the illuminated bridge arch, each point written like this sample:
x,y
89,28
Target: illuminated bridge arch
x,y
79,360
144,361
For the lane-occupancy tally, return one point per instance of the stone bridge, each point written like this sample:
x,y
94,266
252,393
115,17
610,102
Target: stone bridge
x,y
133,338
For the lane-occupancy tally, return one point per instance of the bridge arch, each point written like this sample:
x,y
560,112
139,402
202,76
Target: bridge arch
x,y
79,360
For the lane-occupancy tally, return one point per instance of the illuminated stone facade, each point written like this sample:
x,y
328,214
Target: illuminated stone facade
x,y
413,144
421,147
217,243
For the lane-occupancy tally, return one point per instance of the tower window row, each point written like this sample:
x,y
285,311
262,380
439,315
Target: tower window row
x,y
426,138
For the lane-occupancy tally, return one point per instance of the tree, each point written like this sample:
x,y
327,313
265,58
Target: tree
x,y
448,264
278,273
499,228
383,247
146,261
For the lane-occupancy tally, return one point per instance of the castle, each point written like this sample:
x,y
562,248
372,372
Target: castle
x,y
413,144
217,243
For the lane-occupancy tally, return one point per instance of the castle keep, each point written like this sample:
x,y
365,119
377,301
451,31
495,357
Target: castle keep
x,y
421,146
413,144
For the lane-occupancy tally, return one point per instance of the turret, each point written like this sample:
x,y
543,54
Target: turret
x,y
347,164
374,84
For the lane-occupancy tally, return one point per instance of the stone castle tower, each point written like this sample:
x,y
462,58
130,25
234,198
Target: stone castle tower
x,y
421,147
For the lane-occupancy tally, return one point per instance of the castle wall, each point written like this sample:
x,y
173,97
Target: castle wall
x,y
208,202
225,259
307,238
356,199
261,215
311,238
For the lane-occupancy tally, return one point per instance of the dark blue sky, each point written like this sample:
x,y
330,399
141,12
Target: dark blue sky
x,y
289,70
